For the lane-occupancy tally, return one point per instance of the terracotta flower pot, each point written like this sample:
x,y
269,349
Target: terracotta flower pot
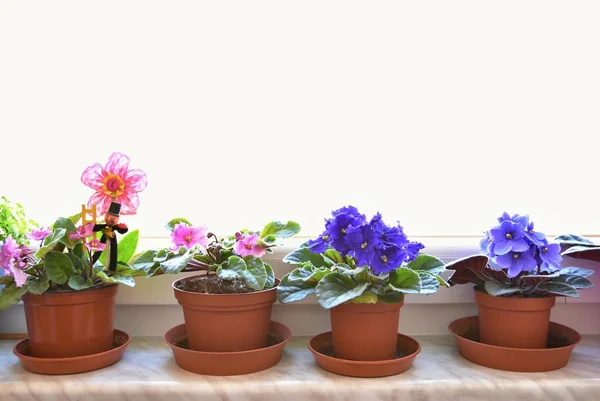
x,y
68,324
226,322
365,332
514,322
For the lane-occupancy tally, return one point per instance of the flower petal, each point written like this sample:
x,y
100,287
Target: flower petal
x,y
117,164
93,176
130,201
102,202
502,247
135,180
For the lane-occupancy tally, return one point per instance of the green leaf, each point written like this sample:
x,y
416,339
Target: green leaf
x,y
281,230
577,271
366,297
80,251
127,246
563,289
304,257
50,241
296,290
10,295
571,239
171,224
77,263
63,222
116,279
336,288
38,285
500,290
335,256
256,268
78,283
577,282
429,282
6,280
59,267
145,261
75,218
269,240
175,264
390,297
583,252
427,263
270,281
405,280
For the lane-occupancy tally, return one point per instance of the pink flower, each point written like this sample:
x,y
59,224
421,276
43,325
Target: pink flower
x,y
12,262
248,245
188,236
115,180
95,245
83,232
39,235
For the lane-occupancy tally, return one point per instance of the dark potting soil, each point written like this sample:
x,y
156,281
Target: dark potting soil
x,y
214,285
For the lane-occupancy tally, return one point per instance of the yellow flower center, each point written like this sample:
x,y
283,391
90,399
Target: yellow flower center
x,y
343,231
363,245
325,238
113,185
515,256
530,231
248,246
509,235
384,258
188,238
545,249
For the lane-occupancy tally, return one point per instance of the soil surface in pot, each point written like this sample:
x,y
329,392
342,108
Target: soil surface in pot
x,y
214,285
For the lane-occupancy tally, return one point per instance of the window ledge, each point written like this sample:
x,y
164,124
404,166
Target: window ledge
x,y
148,371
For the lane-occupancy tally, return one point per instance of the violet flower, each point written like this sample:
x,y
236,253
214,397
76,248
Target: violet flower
x,y
508,236
95,245
517,262
189,236
39,234
83,232
248,245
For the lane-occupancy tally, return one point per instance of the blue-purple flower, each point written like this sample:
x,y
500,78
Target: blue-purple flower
x,y
320,244
550,255
387,259
517,262
361,240
536,237
508,236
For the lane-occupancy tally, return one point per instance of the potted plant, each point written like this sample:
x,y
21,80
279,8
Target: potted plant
x,y
67,290
361,269
517,277
228,307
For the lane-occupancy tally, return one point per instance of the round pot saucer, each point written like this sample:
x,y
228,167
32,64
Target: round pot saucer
x,y
407,349
561,341
228,363
76,364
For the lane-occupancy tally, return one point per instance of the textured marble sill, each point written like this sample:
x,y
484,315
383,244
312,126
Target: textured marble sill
x,y
148,372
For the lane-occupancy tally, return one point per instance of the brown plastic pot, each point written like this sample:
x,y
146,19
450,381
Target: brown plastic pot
x,y
226,322
365,332
514,322
69,324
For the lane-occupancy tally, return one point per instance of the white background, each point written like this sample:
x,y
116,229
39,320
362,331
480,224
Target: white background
x,y
440,114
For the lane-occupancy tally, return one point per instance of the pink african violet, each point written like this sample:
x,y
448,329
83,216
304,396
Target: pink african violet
x,y
248,245
39,234
188,236
83,232
115,180
95,245
10,261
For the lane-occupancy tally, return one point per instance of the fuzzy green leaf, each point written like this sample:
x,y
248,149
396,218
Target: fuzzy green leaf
x,y
429,282
4,280
296,290
127,246
59,267
335,256
38,285
77,263
574,240
336,288
427,263
404,280
270,281
67,224
366,297
10,295
500,290
577,271
116,279
557,288
256,268
50,242
175,264
145,261
78,283
304,257
577,282
280,229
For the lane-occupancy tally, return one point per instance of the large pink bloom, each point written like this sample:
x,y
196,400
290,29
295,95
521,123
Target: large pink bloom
x,y
11,261
188,236
115,180
248,245
83,232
